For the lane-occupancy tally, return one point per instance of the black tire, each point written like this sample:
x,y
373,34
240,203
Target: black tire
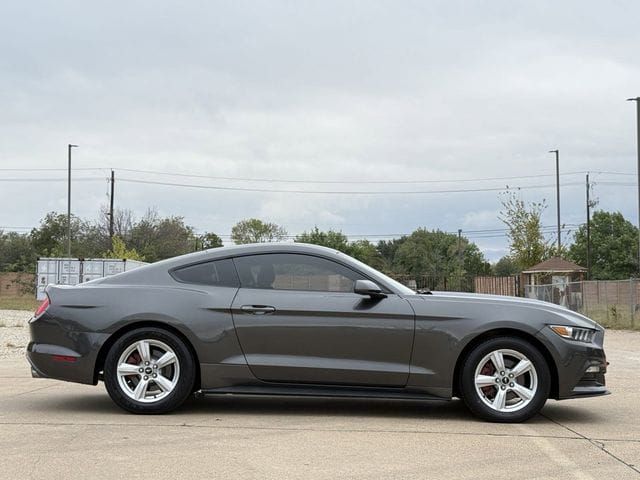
x,y
184,378
476,403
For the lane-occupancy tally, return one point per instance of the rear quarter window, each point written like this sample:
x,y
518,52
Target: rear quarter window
x,y
219,273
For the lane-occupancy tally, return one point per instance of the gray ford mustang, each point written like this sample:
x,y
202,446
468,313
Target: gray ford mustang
x,y
295,319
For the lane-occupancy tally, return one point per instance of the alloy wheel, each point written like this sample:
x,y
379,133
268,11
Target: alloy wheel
x,y
506,380
148,370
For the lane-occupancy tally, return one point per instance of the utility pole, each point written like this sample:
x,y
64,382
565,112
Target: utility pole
x,y
69,202
460,264
113,181
588,231
557,152
637,100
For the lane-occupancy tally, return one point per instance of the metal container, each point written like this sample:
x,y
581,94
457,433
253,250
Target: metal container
x,y
72,271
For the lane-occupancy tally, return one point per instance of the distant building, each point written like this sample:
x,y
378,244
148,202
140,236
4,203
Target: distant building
x,y
551,281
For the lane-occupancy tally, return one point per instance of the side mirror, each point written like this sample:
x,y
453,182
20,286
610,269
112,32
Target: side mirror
x,y
367,287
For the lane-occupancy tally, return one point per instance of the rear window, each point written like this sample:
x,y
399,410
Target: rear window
x,y
220,273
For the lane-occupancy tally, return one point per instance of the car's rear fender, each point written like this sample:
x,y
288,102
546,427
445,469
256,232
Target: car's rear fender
x,y
128,327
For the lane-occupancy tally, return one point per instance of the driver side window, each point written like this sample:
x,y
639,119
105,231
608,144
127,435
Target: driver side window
x,y
280,271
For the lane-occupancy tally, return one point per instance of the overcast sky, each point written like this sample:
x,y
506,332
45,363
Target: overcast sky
x,y
319,91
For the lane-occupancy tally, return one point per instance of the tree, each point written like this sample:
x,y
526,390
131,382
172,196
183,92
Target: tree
x,y
158,238
210,240
614,246
473,262
16,253
527,243
366,252
123,222
50,238
436,253
388,249
256,231
505,267
363,250
330,239
119,250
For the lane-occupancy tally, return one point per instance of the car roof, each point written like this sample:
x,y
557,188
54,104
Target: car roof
x,y
158,273
251,248
148,273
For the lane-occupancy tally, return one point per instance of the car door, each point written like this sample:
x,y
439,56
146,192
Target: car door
x,y
299,321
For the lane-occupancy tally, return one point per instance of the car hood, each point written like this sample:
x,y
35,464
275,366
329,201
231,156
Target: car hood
x,y
484,301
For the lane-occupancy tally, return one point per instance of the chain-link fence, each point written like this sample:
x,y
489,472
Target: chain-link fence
x,y
612,303
454,283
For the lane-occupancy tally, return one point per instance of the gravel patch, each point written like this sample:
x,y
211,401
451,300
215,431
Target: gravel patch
x,y
14,336
14,318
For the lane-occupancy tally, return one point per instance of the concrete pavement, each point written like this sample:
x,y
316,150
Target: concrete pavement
x,y
51,429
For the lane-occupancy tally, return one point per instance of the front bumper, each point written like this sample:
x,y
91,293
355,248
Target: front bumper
x,y
591,384
573,359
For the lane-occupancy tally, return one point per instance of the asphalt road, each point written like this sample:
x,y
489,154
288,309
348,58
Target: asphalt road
x,y
51,429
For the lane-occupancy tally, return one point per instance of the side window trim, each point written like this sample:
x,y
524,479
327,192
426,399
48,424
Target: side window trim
x,y
348,267
172,273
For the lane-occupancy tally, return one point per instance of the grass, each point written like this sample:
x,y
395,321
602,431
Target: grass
x,y
19,303
617,317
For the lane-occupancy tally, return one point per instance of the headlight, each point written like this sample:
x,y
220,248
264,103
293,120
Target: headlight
x,y
574,333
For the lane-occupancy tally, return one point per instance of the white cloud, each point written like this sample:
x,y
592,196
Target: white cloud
x,y
322,91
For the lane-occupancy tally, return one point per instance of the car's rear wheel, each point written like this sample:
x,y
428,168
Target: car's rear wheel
x,y
505,379
149,370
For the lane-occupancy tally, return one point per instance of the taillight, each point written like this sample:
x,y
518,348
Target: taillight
x,y
43,306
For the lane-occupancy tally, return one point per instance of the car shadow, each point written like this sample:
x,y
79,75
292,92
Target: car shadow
x,y
454,410
315,406
101,404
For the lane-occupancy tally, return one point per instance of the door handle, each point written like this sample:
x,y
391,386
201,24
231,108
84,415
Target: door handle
x,y
258,309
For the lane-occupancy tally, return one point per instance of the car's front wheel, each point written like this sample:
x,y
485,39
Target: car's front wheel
x,y
149,370
505,379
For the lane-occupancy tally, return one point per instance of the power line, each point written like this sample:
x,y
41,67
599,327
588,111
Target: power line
x,y
466,233
389,182
622,184
48,169
280,180
498,232
77,179
604,172
340,192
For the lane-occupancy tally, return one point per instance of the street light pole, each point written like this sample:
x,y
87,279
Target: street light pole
x,y
69,202
637,100
588,231
557,152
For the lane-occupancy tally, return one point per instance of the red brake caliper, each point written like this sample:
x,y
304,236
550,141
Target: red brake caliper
x,y
489,370
134,359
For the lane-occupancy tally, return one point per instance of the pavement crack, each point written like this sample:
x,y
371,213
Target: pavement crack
x,y
30,391
600,444
613,440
